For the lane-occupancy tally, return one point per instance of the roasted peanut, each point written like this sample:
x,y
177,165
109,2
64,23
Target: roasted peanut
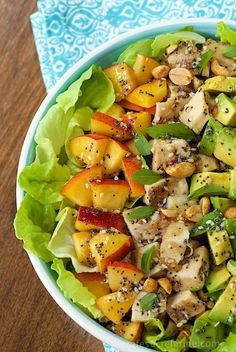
x,y
230,213
171,49
205,205
150,285
180,76
203,296
194,213
180,170
169,213
217,69
165,284
160,71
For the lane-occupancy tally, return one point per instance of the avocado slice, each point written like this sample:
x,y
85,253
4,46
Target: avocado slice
x,y
230,226
207,143
204,178
225,146
206,335
222,203
225,308
226,110
220,84
220,245
217,279
232,186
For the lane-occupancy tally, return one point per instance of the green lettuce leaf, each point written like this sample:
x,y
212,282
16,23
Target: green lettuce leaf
x,y
153,331
45,151
225,33
33,224
93,89
129,55
162,41
172,345
43,182
228,345
61,243
74,129
73,289
83,117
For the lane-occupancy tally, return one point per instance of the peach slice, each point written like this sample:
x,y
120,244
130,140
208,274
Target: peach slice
x,y
139,120
108,246
82,249
133,107
131,331
148,94
98,219
90,148
123,79
109,126
109,194
95,283
130,165
123,274
115,152
78,188
143,67
116,111
115,305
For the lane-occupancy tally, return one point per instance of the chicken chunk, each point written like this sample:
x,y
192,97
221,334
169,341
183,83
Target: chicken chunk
x,y
183,306
187,55
193,273
173,245
195,113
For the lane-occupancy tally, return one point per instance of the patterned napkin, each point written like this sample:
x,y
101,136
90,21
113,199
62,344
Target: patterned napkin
x,y
66,30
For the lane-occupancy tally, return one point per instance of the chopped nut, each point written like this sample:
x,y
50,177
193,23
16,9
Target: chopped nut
x,y
150,285
165,284
181,170
205,205
203,296
171,49
160,71
210,304
180,76
169,213
230,213
217,69
194,213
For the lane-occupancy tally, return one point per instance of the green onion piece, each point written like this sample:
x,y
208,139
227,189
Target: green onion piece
x,y
230,52
231,266
142,144
207,222
167,130
146,262
141,213
146,177
210,190
205,58
148,301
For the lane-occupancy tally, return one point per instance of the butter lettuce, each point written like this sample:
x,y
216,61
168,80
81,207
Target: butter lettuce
x,y
228,345
153,331
33,224
225,33
61,243
129,55
73,289
172,345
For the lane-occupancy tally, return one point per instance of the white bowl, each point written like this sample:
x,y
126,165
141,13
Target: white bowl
x,y
103,55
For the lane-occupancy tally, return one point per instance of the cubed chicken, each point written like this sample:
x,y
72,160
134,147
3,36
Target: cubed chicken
x,y
193,273
159,307
187,55
195,114
174,243
183,306
167,152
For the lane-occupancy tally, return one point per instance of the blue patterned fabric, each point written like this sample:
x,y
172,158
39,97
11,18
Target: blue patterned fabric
x,y
66,30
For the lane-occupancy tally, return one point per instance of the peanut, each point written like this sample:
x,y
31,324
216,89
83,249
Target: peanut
x,y
230,213
194,213
160,71
180,76
205,205
180,170
150,285
165,284
171,49
203,296
169,213
217,69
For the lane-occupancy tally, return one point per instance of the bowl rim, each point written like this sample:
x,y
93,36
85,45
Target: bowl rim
x,y
79,317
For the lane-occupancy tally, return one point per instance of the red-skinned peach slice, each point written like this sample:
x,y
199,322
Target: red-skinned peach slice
x,y
108,246
115,152
78,188
82,249
133,107
130,165
99,219
109,126
123,274
131,331
109,194
95,283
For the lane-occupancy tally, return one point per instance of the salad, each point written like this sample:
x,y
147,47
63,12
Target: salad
x,y
131,198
